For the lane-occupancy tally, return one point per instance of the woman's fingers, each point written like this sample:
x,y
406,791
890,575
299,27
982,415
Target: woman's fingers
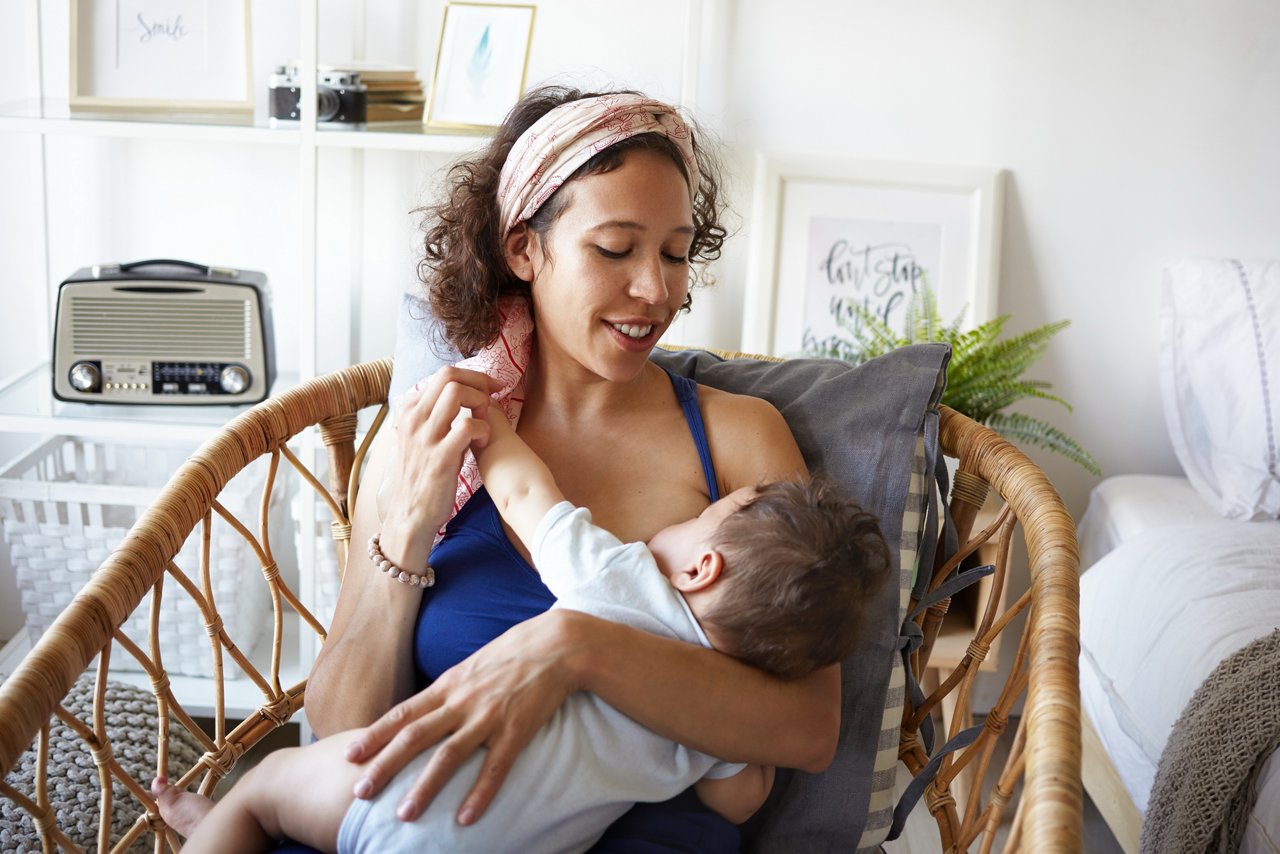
x,y
435,412
497,764
392,750
380,733
444,763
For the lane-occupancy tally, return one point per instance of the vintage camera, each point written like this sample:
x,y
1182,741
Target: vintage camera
x,y
340,96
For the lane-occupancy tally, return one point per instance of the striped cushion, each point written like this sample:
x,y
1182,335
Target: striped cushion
x,y
880,810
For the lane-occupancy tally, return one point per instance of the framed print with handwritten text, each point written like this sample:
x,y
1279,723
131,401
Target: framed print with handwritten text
x,y
832,233
171,55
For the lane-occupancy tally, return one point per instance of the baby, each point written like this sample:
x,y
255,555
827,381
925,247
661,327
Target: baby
x,y
774,575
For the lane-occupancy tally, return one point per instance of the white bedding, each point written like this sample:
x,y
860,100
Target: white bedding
x,y
1174,590
1124,506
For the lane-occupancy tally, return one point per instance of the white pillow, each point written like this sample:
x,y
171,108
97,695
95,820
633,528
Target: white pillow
x,y
1220,380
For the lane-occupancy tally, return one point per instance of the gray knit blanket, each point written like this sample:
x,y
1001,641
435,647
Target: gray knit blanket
x,y
1206,783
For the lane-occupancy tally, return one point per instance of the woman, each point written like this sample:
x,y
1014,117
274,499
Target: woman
x,y
589,211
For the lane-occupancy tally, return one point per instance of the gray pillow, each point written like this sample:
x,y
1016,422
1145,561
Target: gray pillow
x,y
873,429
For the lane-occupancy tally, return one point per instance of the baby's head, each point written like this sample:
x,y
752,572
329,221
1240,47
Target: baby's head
x,y
777,575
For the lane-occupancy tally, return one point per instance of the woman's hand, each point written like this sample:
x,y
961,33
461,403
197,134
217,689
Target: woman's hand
x,y
417,463
433,424
496,698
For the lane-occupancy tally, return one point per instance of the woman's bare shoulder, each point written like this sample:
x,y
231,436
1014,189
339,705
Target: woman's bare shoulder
x,y
750,440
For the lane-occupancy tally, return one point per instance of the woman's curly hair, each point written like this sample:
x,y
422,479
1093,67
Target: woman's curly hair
x,y
464,269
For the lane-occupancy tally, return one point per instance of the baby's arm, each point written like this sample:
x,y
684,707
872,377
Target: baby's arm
x,y
520,484
738,797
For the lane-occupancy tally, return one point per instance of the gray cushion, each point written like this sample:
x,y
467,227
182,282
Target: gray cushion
x,y
864,427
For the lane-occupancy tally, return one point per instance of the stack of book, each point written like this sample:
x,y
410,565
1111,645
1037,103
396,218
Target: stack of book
x,y
395,92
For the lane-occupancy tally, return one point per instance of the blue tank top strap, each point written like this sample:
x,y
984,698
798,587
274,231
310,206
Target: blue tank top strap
x,y
687,393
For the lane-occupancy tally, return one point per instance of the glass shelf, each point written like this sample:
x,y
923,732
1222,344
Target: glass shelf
x,y
388,136
399,136
27,406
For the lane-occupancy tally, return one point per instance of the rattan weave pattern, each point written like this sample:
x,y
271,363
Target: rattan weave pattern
x,y
75,798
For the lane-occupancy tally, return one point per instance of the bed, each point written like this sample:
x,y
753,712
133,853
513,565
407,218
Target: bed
x,y
1152,540
1180,572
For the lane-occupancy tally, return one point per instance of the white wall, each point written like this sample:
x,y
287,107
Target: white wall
x,y
1133,132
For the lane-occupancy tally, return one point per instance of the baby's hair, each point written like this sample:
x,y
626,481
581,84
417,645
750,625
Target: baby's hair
x,y
800,562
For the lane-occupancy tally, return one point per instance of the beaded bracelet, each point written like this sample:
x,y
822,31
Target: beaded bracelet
x,y
426,579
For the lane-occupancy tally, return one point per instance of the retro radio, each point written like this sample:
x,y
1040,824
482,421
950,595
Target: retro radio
x,y
163,332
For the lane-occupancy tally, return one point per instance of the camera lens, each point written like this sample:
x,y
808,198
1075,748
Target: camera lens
x,y
327,104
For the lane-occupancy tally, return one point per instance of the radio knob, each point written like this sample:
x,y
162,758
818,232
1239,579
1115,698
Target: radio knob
x,y
234,379
85,376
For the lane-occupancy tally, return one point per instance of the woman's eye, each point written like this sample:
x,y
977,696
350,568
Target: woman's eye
x,y
675,259
609,253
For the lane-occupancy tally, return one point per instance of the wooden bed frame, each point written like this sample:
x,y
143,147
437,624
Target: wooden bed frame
x,y
1107,790
1045,748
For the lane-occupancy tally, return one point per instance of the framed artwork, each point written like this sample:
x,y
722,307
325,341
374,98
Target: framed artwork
x,y
832,233
171,55
480,65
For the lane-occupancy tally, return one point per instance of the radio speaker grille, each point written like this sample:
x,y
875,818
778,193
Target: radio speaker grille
x,y
150,327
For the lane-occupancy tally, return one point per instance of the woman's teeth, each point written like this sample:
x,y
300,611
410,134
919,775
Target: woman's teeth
x,y
632,331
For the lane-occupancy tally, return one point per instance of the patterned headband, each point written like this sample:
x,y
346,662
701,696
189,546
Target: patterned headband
x,y
569,135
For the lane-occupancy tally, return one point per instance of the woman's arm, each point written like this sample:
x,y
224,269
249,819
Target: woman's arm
x,y
709,701
415,462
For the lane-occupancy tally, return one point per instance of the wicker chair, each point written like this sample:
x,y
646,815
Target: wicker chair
x,y
1044,757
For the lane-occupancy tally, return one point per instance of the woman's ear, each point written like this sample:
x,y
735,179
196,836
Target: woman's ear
x,y
517,249
700,574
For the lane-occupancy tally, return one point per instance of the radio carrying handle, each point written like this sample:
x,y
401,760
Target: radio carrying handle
x,y
156,262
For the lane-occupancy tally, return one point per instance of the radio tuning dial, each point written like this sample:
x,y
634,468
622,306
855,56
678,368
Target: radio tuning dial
x,y
85,376
234,379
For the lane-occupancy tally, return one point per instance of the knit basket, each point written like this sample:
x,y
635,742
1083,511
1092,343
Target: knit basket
x,y
67,503
325,578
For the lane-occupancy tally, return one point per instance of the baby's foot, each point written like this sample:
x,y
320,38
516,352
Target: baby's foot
x,y
181,810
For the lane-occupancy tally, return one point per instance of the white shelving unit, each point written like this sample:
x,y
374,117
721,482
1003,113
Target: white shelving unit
x,y
317,170
26,404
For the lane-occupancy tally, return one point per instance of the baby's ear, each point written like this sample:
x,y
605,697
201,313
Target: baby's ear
x,y
700,574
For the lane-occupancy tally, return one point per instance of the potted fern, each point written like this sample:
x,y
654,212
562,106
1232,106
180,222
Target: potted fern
x,y
985,375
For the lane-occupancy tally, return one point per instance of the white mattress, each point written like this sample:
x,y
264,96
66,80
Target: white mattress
x,y
1175,589
1123,506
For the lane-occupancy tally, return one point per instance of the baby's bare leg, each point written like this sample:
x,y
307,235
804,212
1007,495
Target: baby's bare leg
x,y
300,793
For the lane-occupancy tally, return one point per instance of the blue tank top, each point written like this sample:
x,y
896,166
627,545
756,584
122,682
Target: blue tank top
x,y
484,586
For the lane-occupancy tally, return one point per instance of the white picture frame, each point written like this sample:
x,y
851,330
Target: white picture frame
x,y
166,55
830,230
481,63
